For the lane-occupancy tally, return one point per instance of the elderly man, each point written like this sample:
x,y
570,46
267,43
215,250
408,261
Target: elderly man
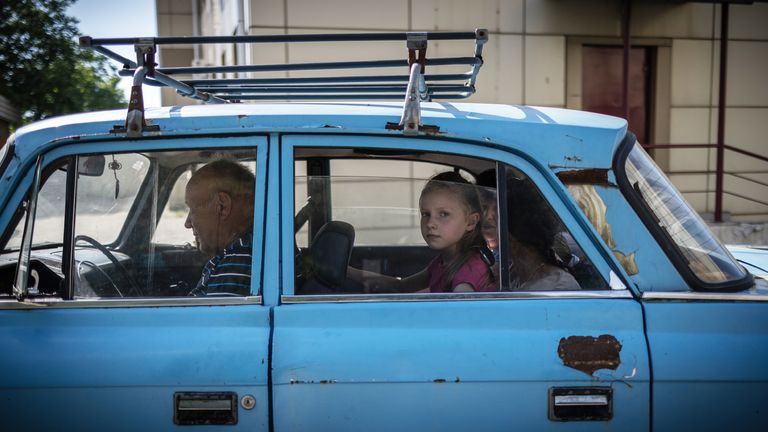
x,y
220,200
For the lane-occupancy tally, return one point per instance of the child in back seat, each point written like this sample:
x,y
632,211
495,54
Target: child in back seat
x,y
450,223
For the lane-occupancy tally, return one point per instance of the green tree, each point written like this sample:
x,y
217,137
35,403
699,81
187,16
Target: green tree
x,y
43,72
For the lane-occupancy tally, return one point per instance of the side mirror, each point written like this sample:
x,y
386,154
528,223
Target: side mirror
x,y
92,166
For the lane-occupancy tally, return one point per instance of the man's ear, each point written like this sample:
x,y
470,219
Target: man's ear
x,y
223,204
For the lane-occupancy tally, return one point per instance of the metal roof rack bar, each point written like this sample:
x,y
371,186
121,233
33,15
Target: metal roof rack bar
x,y
417,85
338,37
341,79
127,63
187,90
224,84
350,96
480,34
189,70
398,89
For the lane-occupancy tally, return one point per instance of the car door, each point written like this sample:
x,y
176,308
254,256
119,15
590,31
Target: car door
x,y
109,355
708,336
535,360
708,357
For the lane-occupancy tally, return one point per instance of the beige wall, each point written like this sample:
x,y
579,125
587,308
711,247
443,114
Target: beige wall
x,y
533,58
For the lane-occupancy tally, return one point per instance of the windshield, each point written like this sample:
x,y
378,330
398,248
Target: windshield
x,y
709,261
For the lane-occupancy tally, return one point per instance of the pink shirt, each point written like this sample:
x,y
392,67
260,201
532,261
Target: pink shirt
x,y
474,272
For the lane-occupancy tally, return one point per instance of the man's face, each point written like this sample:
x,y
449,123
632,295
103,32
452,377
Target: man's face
x,y
203,217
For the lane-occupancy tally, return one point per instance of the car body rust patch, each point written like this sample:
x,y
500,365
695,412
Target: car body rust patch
x,y
589,353
443,380
591,176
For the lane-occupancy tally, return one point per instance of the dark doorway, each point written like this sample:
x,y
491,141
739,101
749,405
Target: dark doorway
x,y
602,85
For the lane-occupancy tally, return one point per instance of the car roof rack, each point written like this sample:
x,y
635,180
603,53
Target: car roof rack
x,y
416,85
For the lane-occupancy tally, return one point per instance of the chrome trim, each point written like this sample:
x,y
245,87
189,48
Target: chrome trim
x,y
704,296
581,400
36,303
518,295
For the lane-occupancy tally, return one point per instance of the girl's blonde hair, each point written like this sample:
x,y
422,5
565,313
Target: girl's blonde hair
x,y
454,183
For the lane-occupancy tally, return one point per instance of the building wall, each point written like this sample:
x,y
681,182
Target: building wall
x,y
174,18
533,57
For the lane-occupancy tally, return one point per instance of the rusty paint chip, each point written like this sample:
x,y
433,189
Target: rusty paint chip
x,y
573,158
593,176
589,353
439,381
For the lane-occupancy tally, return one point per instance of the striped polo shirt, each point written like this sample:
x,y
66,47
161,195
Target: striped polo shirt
x,y
229,271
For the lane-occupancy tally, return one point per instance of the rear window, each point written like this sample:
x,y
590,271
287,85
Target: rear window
x,y
700,250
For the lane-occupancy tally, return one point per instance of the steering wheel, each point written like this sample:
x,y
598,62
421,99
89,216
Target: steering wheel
x,y
134,287
302,216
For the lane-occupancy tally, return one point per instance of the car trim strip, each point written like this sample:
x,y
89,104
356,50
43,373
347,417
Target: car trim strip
x,y
41,303
704,296
519,295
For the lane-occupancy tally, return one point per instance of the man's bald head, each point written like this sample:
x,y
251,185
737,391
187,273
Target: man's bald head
x,y
220,198
225,176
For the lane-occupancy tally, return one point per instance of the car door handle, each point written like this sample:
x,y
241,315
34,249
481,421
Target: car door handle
x,y
205,408
580,403
581,400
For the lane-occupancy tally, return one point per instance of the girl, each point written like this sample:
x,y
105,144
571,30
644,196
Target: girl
x,y
450,223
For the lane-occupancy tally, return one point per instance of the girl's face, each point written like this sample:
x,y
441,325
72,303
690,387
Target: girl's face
x,y
444,220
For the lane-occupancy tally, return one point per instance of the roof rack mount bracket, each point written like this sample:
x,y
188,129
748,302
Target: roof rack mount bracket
x,y
145,54
135,124
410,121
411,118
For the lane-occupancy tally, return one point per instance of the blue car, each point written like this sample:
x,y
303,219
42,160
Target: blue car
x,y
753,258
364,266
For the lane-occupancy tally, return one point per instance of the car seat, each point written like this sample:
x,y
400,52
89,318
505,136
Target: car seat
x,y
326,266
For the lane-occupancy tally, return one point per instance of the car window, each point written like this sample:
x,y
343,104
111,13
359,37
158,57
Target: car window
x,y
49,216
700,250
395,182
428,225
170,226
202,247
103,201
